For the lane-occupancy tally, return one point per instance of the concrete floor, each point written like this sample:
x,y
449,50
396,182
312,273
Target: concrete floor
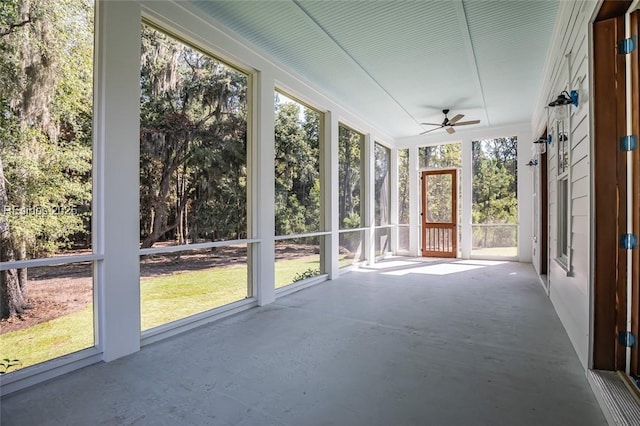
x,y
404,343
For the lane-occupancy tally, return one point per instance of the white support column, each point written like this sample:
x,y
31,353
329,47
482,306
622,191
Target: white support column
x,y
263,194
415,233
467,202
525,196
116,176
369,197
393,199
330,194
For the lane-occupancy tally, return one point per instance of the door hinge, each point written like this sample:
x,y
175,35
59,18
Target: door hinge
x,y
628,143
627,46
628,241
627,339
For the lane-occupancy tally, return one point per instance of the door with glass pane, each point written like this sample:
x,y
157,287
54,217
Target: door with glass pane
x,y
439,213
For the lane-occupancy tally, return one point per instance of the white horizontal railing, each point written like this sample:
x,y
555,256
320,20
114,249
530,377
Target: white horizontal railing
x,y
49,261
296,236
343,231
186,247
384,226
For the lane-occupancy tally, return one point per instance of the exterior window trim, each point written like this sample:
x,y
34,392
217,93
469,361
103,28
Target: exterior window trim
x,y
562,137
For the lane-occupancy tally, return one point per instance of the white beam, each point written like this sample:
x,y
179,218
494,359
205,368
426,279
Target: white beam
x,y
368,197
264,194
525,197
467,194
414,203
116,176
330,191
393,198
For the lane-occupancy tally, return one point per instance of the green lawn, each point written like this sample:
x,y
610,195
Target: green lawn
x,y
177,296
286,270
50,339
164,299
346,261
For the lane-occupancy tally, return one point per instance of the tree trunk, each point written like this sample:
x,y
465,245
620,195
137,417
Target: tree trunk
x,y
181,206
160,210
178,212
12,301
22,272
345,206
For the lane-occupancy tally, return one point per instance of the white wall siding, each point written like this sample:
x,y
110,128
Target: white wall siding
x,y
567,68
525,198
536,225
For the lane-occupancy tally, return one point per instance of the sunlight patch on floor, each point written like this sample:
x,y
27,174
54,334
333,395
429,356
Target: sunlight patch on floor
x,y
482,262
447,268
389,264
440,269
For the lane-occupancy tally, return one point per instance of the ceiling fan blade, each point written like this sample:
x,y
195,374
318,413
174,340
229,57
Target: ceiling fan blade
x,y
456,118
427,131
450,130
431,124
465,123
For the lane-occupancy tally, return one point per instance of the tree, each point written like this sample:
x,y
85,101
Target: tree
x,y
297,169
12,301
443,156
403,186
45,125
310,184
382,184
349,169
192,144
495,188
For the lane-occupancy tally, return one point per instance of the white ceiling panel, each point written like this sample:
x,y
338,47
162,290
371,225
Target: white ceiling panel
x,y
510,40
398,63
409,51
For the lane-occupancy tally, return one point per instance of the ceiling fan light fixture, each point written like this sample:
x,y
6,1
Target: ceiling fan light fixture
x,y
448,124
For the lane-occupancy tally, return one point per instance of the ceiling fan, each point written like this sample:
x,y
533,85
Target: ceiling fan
x,y
448,124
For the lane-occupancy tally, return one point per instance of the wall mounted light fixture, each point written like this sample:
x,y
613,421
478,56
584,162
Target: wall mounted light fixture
x,y
540,145
565,98
561,104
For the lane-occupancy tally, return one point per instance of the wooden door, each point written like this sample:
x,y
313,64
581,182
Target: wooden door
x,y
610,188
544,215
635,125
439,213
